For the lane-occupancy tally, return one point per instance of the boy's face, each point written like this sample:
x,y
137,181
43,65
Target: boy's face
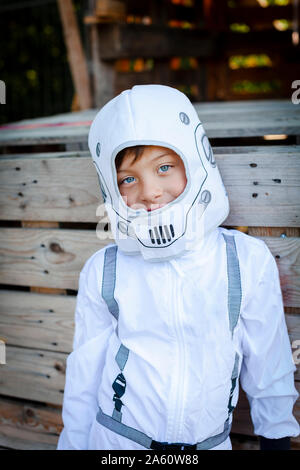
x,y
152,181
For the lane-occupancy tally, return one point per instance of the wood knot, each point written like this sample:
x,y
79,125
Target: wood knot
x,y
29,412
56,248
59,366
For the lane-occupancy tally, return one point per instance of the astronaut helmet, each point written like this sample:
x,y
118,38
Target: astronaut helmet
x,y
161,116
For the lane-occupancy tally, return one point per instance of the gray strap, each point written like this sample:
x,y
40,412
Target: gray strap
x,y
145,441
234,282
234,379
122,356
117,415
123,430
215,440
235,367
108,289
109,280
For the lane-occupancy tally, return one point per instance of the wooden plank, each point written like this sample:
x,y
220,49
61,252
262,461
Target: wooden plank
x,y
220,119
34,186
287,253
236,121
45,257
43,320
61,128
33,374
254,182
54,258
76,54
28,425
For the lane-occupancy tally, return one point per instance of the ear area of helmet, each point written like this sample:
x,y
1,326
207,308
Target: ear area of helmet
x,y
204,148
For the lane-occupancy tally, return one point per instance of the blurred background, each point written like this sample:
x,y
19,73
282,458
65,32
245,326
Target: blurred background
x,y
57,59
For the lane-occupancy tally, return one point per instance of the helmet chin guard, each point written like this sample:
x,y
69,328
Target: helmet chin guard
x,y
162,116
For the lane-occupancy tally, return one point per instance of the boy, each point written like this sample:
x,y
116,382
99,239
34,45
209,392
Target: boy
x,y
169,318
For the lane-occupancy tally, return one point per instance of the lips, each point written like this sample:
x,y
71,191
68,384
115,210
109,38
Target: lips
x,y
154,207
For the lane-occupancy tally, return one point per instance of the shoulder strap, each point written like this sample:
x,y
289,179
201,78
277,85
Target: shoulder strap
x,y
234,282
234,304
108,289
109,280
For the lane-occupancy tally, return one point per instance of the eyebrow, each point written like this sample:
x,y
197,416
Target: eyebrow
x,y
155,158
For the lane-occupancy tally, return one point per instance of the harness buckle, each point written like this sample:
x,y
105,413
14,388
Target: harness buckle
x,y
119,385
165,446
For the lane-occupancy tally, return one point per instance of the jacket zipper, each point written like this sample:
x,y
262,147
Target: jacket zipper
x,y
176,427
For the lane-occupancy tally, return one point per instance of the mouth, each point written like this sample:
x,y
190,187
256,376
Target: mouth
x,y
154,207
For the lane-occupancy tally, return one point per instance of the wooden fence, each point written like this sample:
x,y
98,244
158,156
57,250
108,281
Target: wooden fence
x,y
48,199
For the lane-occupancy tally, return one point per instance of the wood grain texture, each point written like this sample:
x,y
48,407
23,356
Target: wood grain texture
x,y
263,185
54,258
45,257
220,119
28,425
33,374
41,321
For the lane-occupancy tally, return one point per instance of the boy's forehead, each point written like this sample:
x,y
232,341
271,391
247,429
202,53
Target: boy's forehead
x,y
150,152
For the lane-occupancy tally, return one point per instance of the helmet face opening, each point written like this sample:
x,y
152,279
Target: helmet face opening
x,y
145,165
149,177
165,192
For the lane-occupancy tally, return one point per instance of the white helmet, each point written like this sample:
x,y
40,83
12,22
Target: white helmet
x,y
162,116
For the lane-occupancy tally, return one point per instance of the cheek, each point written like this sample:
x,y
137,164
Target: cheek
x,y
127,195
179,184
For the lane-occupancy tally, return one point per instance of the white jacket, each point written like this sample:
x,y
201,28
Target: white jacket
x,y
173,319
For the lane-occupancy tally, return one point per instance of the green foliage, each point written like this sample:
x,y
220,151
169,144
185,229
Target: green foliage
x,y
255,87
34,64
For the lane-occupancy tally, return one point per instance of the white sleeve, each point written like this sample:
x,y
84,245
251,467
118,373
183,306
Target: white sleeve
x,y
93,327
267,373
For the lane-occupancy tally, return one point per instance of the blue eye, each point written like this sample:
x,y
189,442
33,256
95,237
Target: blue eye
x,y
130,178
164,168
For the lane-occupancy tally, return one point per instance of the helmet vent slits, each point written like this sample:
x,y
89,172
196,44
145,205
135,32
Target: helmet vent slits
x,y
160,235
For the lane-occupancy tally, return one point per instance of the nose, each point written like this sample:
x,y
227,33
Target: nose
x,y
151,191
